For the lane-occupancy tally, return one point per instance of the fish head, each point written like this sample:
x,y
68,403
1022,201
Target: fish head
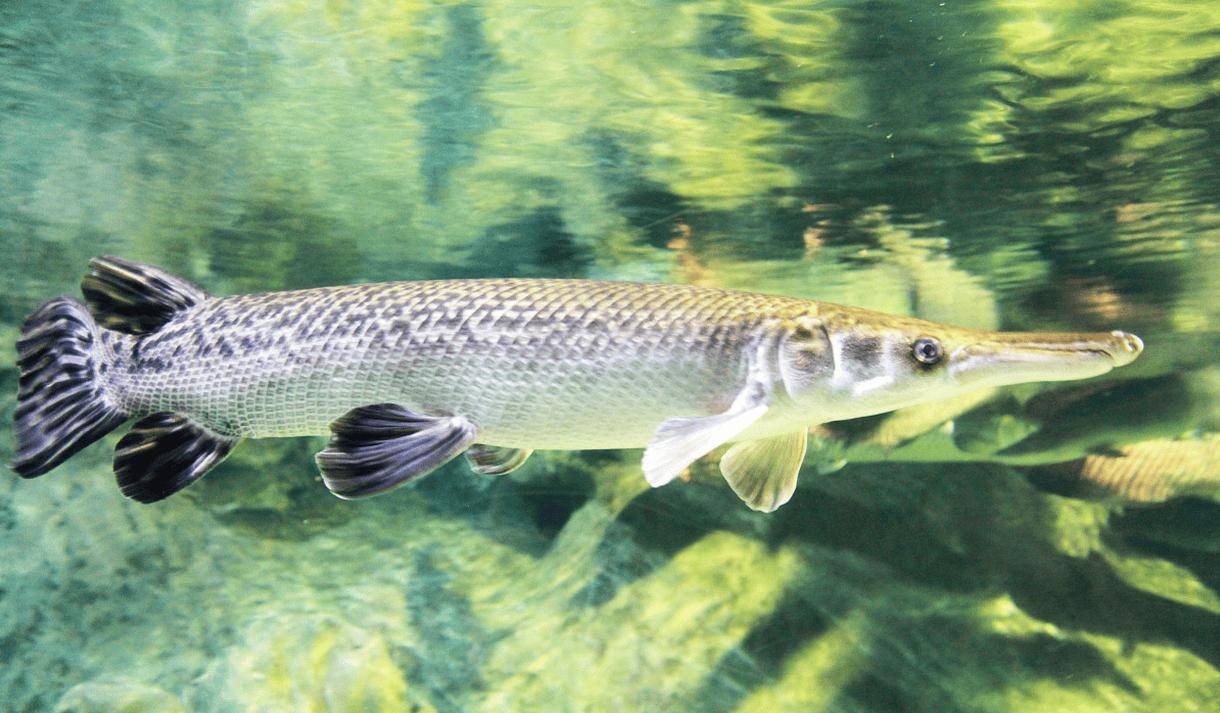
x,y
844,362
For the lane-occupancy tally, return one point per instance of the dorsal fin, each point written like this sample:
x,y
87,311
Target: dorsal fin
x,y
134,298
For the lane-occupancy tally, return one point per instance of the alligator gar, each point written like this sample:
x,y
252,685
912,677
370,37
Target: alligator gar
x,y
405,376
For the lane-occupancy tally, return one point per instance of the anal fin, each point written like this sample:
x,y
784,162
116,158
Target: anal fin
x,y
165,452
763,472
376,448
496,460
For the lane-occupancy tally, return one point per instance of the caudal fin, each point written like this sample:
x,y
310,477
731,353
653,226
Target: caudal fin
x,y
61,403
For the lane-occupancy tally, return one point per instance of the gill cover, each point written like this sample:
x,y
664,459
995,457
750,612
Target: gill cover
x,y
806,357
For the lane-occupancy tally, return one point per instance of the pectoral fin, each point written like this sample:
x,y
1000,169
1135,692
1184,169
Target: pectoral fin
x,y
496,460
375,448
763,472
679,442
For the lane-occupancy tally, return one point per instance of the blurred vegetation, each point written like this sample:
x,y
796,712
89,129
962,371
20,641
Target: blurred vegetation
x,y
1003,163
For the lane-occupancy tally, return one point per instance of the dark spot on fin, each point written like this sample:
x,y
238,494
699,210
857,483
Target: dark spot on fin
x,y
376,448
163,454
494,460
134,298
62,406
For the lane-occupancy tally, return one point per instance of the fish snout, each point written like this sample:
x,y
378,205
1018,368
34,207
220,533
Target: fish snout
x,y
1124,347
1005,358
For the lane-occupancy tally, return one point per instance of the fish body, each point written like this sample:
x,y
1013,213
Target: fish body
x,y
547,364
407,375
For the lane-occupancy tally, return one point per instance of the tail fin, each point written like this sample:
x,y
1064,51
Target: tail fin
x,y
61,404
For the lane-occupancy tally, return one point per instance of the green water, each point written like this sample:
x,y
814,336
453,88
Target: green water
x,y
1016,164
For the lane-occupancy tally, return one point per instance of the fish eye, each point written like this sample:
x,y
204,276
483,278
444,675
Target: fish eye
x,y
927,350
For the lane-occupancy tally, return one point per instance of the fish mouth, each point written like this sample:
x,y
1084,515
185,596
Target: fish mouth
x,y
1019,357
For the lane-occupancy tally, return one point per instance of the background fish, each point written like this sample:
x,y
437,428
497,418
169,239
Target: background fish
x,y
1145,472
409,375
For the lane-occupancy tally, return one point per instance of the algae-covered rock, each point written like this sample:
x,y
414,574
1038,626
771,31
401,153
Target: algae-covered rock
x,y
701,605
1012,596
118,696
813,676
272,489
308,665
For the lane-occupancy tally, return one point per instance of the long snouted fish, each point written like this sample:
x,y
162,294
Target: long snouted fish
x,y
405,376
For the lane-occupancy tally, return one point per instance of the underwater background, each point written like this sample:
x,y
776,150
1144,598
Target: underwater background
x,y
1017,164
